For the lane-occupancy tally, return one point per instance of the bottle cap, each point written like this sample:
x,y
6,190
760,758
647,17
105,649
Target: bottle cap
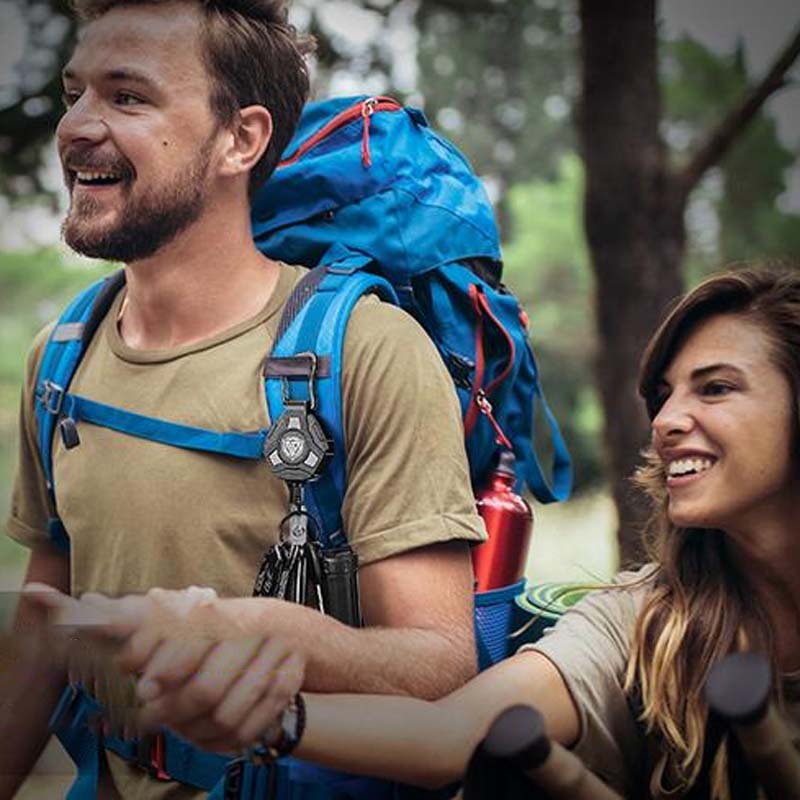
x,y
505,465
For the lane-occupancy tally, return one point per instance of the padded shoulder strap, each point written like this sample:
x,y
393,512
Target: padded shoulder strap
x,y
313,327
61,357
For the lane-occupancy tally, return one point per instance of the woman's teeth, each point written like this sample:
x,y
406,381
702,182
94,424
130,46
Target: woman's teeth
x,y
686,466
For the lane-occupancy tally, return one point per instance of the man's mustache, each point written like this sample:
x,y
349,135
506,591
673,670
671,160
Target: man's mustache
x,y
89,158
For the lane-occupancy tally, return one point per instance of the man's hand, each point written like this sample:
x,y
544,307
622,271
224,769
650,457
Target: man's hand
x,y
204,671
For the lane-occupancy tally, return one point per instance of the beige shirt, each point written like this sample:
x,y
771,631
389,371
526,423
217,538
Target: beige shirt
x,y
142,514
590,646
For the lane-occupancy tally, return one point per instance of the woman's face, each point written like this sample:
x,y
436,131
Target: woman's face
x,y
724,430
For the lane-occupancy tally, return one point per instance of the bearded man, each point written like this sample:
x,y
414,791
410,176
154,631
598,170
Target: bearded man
x,y
175,111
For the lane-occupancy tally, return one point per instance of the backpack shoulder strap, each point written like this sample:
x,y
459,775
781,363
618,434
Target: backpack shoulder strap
x,y
62,354
306,365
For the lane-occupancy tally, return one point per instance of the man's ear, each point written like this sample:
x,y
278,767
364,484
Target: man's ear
x,y
248,137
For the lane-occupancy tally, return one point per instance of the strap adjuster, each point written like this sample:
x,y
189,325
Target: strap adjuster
x,y
151,755
311,376
52,397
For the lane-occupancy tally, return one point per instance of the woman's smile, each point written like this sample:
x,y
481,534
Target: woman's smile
x,y
723,427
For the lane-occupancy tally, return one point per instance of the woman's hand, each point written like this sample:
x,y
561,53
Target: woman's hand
x,y
231,700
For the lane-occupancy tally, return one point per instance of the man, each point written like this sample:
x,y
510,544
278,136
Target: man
x,y
174,111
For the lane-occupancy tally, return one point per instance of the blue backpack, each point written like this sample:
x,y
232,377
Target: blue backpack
x,y
373,201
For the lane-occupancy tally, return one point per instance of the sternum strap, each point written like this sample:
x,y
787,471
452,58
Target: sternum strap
x,y
233,443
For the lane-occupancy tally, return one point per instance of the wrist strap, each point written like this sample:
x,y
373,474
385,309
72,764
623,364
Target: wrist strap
x,y
280,743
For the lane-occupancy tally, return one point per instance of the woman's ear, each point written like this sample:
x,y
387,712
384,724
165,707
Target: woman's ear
x,y
248,137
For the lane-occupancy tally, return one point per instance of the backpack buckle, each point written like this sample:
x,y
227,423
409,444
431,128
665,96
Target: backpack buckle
x,y
151,755
52,397
311,375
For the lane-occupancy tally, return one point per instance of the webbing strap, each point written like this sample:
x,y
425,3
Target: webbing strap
x,y
240,445
296,780
70,722
182,761
319,327
561,463
59,361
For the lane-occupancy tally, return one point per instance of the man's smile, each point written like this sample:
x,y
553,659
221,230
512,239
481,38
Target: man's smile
x,y
96,178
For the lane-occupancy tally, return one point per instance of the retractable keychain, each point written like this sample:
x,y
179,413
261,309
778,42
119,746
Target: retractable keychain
x,y
295,451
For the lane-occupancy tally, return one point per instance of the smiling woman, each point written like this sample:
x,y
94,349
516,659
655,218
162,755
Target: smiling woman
x,y
721,380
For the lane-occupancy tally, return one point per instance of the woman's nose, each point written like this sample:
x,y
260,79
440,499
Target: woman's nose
x,y
674,418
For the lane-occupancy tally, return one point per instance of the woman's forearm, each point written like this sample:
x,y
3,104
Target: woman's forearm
x,y
430,744
400,738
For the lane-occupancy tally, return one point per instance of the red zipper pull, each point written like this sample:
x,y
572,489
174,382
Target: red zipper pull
x,y
486,409
367,110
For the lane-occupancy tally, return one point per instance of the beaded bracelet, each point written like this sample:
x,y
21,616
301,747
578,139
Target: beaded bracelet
x,y
275,744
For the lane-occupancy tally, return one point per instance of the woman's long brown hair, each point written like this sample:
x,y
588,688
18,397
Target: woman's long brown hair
x,y
701,606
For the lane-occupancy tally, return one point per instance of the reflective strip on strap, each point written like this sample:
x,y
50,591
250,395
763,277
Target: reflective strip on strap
x,y
68,331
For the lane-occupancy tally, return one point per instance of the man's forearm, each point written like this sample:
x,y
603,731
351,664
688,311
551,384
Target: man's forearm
x,y
30,692
32,679
425,663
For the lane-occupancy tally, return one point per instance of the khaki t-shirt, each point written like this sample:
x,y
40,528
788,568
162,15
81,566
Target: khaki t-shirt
x,y
590,646
142,514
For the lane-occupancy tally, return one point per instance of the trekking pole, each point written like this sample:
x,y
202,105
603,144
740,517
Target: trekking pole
x,y
738,689
517,744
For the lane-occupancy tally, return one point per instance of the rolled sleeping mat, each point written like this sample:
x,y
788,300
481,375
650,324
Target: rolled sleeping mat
x,y
517,744
540,606
739,690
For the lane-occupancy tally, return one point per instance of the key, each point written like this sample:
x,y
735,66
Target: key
x,y
268,571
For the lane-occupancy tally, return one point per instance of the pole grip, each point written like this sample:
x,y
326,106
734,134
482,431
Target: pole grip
x,y
516,740
739,690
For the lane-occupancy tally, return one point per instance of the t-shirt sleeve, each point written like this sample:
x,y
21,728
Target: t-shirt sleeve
x,y
30,505
408,480
590,646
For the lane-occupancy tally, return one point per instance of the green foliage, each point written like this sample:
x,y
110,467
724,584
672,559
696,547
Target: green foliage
x,y
700,87
547,265
30,95
499,79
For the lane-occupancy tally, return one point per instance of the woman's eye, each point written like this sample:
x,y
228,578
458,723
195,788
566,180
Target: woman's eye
x,y
659,401
717,389
126,99
69,98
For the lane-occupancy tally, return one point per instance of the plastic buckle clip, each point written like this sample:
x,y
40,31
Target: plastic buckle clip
x,y
52,397
312,375
151,755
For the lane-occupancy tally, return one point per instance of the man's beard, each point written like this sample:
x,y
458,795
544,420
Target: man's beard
x,y
145,223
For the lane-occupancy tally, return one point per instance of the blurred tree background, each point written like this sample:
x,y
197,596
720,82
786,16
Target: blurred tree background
x,y
536,93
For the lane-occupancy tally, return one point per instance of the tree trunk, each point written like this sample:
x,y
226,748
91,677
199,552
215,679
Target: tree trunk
x,y
634,226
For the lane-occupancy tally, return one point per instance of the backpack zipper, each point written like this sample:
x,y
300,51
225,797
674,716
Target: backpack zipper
x,y
479,402
364,110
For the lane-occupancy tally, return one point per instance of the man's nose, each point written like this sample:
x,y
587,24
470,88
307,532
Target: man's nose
x,y
674,418
82,121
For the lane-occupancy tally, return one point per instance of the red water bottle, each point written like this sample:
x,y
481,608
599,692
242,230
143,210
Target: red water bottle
x,y
500,560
